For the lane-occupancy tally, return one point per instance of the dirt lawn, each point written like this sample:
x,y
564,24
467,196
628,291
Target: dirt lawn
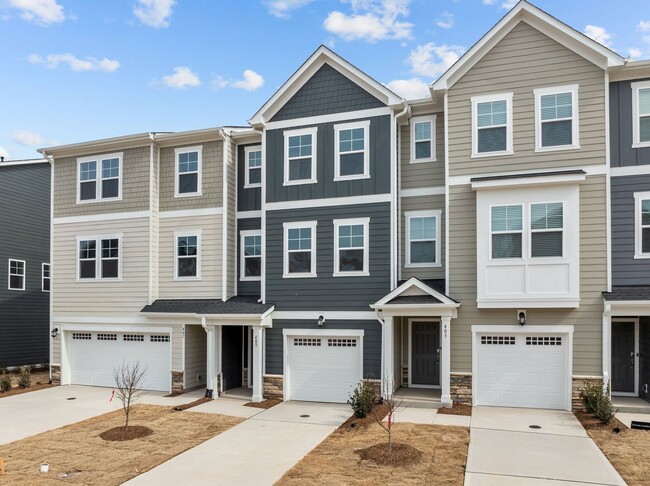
x,y
628,450
40,380
334,461
78,451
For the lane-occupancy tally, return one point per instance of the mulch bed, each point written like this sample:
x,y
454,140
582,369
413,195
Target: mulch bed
x,y
265,404
119,434
380,411
457,409
19,391
195,403
401,455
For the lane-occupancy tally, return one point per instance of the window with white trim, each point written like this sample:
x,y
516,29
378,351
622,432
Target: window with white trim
x,y
642,224
188,258
641,114
99,178
506,226
253,167
188,171
546,229
300,156
422,238
423,139
251,255
351,152
16,275
45,277
351,246
99,257
556,118
300,249
492,125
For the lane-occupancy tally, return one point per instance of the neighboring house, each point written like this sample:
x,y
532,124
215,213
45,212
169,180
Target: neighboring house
x,y
24,262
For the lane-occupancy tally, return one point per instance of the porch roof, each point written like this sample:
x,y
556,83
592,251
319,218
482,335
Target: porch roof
x,y
238,305
417,297
628,293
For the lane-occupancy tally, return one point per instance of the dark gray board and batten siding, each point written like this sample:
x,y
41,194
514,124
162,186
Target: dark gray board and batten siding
x,y
620,119
246,287
24,235
248,199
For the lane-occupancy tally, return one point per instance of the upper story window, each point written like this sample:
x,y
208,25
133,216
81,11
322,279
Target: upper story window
x,y
99,178
423,139
556,118
351,158
506,225
492,125
251,255
16,275
300,156
546,229
253,174
351,247
45,277
423,236
300,249
642,225
99,257
188,171
188,255
641,114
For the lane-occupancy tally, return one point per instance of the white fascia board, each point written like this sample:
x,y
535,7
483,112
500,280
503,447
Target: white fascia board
x,y
591,170
97,146
525,329
327,315
550,303
324,332
421,310
414,282
23,162
529,181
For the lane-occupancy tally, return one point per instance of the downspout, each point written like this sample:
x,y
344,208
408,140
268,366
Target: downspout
x,y
50,299
210,361
396,212
263,214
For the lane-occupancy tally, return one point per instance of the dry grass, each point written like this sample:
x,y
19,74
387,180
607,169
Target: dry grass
x,y
628,450
334,461
456,409
265,404
77,448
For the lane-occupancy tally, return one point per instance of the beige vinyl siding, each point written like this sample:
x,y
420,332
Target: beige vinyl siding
x,y
178,341
526,59
587,319
416,204
135,185
123,298
195,356
424,174
155,226
231,191
211,176
209,286
56,350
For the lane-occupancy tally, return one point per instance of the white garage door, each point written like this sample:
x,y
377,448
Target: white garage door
x,y
93,356
522,370
323,369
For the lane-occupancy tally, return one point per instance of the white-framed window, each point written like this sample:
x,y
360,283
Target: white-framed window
x,y
187,255
506,231
250,262
253,167
422,238
16,280
188,171
99,178
642,224
547,230
300,149
45,277
423,139
351,247
641,114
300,249
556,118
99,257
351,151
492,125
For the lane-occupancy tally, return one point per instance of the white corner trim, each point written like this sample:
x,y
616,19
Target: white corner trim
x,y
328,202
101,217
423,191
189,213
249,214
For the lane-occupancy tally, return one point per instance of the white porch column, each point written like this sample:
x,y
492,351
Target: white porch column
x,y
388,362
445,365
209,392
607,344
258,354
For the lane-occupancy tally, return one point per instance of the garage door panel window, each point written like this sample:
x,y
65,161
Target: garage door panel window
x,y
134,337
300,249
351,247
507,231
340,342
306,341
506,340
543,341
546,227
106,337
188,256
105,264
84,336
159,338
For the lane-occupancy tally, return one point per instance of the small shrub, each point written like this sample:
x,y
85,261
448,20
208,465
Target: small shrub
x,y
591,395
362,399
5,381
25,377
604,410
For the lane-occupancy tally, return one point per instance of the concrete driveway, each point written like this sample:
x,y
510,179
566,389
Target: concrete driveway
x,y
504,449
256,452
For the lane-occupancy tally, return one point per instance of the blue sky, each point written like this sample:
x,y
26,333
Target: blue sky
x,y
78,70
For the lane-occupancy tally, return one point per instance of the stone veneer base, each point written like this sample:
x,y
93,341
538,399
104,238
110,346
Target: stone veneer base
x,y
273,386
177,382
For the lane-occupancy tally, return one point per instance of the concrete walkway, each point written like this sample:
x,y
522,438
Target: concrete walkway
x,y
256,452
504,450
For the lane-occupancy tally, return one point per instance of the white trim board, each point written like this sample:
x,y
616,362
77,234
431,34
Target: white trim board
x,y
631,170
333,118
249,214
188,213
328,315
328,202
101,217
423,191
590,170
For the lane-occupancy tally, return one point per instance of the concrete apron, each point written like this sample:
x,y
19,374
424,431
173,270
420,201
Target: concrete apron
x,y
504,450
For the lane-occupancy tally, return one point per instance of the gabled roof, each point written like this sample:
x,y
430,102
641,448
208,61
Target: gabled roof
x,y
321,56
415,292
540,20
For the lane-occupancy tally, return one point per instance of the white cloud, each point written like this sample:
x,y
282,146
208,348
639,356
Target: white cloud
x,y
38,11
432,60
283,8
644,26
635,54
154,13
410,89
250,82
25,137
4,153
508,4
182,78
371,20
599,34
446,21
52,61
489,2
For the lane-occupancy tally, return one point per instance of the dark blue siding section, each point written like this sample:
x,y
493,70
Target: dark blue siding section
x,y
246,287
371,343
626,270
326,292
326,187
620,117
327,92
247,199
24,235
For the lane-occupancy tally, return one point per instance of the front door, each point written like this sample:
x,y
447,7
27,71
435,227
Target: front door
x,y
425,358
623,357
